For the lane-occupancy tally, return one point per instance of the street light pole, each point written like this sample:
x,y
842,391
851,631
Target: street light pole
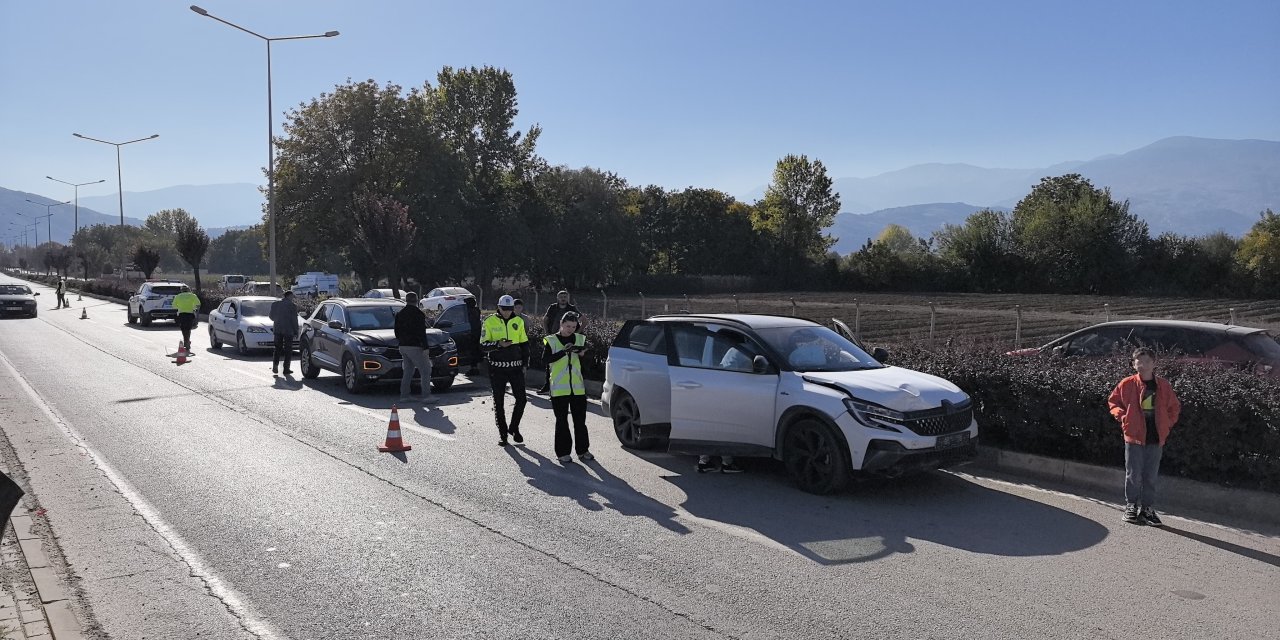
x,y
77,190
48,214
271,145
119,174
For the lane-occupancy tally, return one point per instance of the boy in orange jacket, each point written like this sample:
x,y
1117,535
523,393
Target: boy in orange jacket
x,y
1147,408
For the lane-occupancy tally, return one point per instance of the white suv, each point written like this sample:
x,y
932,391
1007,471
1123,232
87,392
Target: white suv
x,y
754,385
154,300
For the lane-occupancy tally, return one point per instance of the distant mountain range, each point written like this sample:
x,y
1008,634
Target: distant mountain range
x,y
1191,186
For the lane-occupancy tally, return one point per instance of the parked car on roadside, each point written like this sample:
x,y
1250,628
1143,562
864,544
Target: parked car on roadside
x,y
261,288
316,283
355,337
17,299
439,298
783,387
1246,347
154,301
382,293
455,322
231,282
245,321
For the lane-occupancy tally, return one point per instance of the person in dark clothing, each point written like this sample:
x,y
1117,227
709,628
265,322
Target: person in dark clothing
x,y
551,324
473,318
411,334
505,343
62,294
562,352
284,328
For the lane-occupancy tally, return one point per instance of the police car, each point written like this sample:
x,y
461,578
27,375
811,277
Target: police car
x,y
154,300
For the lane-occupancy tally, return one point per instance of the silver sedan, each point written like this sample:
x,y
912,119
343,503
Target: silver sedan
x,y
245,322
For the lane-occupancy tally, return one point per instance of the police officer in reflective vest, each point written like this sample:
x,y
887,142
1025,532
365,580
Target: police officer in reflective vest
x,y
188,305
506,347
561,351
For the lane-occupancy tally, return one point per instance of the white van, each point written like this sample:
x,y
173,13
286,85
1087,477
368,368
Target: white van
x,y
232,282
316,283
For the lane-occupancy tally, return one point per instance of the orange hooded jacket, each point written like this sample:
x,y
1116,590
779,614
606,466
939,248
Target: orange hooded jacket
x,y
1126,406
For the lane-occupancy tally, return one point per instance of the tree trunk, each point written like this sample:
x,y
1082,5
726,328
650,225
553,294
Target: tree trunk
x,y
196,271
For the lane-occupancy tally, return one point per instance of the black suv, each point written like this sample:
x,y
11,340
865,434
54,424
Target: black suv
x,y
356,338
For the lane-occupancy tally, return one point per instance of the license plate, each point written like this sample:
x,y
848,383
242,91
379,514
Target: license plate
x,y
18,308
953,440
168,302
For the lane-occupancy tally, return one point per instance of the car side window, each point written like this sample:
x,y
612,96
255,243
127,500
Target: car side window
x,y
232,306
697,346
1099,343
225,308
455,314
336,313
435,293
648,338
732,351
322,313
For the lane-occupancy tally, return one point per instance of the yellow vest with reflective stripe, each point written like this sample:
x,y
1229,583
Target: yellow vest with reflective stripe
x,y
566,373
186,302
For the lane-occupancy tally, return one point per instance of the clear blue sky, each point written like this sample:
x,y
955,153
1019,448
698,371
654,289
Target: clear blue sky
x,y
707,93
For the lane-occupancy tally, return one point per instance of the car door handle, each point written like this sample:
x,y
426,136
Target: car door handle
x,y
631,367
688,385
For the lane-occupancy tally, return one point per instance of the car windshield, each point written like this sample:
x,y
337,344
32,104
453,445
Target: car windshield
x,y
368,318
816,348
14,290
1262,344
254,308
166,290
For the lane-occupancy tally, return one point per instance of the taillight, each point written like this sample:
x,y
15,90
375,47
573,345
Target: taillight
x,y
450,298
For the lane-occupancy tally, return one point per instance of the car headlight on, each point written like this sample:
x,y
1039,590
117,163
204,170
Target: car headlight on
x,y
372,350
259,330
874,415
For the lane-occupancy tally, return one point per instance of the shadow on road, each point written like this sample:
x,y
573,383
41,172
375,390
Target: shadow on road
x,y
1252,554
593,493
878,518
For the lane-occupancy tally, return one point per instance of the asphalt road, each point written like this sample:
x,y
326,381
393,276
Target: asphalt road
x,y
213,501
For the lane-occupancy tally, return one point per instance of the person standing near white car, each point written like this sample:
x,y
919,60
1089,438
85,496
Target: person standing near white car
x,y
411,334
284,321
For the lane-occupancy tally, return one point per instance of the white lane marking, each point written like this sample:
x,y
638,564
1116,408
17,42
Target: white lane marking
x,y
230,598
403,425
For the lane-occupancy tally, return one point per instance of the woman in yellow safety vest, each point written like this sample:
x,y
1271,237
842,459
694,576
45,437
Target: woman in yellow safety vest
x,y
562,352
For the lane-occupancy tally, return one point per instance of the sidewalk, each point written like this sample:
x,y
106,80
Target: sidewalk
x,y
33,602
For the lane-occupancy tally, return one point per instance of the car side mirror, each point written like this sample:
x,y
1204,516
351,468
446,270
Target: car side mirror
x,y
334,324
759,364
36,293
880,354
444,324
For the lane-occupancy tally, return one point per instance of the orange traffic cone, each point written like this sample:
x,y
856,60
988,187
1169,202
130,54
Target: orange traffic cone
x,y
182,353
84,313
394,442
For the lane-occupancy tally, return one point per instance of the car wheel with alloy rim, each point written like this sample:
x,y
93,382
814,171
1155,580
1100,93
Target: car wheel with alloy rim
x,y
309,368
350,375
815,457
626,417
213,339
242,347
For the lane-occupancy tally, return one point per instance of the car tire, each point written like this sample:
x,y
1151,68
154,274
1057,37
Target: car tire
x,y
309,369
350,375
626,417
439,308
242,347
213,339
129,313
144,318
443,385
815,457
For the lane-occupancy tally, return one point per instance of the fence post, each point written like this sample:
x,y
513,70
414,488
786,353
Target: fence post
x,y
480,298
737,307
932,315
794,311
537,305
687,307
605,307
643,315
666,308
1106,307
1233,314
857,319
1017,328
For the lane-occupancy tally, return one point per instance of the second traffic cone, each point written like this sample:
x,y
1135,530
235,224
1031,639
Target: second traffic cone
x,y
84,313
394,441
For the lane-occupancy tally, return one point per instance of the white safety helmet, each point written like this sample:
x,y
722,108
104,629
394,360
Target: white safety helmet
x,y
507,301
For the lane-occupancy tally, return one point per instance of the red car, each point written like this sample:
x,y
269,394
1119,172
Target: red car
x,y
1244,346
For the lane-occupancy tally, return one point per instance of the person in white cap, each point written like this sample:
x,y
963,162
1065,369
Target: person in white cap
x,y
506,347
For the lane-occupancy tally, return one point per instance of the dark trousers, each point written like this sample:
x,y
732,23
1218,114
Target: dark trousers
x,y
185,322
563,406
499,378
1141,469
62,299
284,349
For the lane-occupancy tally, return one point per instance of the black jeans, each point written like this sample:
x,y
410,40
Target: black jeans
x,y
62,299
563,406
499,378
185,322
284,348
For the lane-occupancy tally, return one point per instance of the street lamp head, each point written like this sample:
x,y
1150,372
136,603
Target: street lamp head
x,y
77,135
330,34
154,135
102,180
199,10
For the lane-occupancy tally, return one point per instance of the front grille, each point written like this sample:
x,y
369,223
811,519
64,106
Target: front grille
x,y
940,421
392,354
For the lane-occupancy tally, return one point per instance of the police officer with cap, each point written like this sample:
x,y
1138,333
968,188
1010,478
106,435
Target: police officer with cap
x,y
506,347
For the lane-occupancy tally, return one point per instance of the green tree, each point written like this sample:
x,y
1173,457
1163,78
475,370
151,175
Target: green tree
x,y
91,258
146,258
1259,254
1076,238
899,240
239,251
163,228
981,251
797,206
191,243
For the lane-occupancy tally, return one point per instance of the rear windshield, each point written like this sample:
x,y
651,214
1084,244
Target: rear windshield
x,y
235,279
167,290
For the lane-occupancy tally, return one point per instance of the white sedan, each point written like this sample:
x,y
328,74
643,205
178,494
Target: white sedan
x,y
245,322
438,299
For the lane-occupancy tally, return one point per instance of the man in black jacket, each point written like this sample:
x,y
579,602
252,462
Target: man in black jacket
x,y
550,325
411,333
284,328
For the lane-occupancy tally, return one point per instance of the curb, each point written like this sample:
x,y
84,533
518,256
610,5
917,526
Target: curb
x,y
1176,493
63,624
